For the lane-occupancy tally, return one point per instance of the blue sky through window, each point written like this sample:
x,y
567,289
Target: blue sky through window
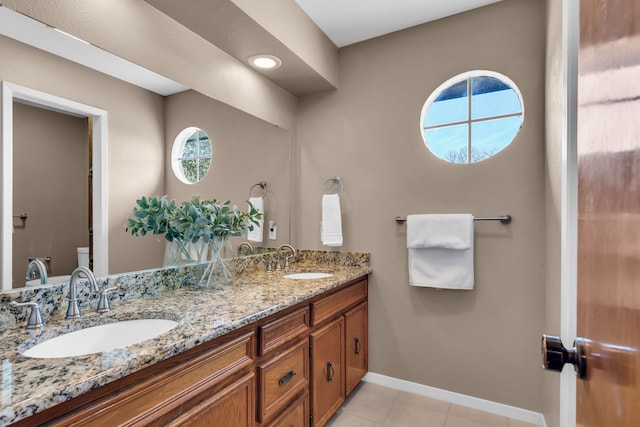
x,y
446,121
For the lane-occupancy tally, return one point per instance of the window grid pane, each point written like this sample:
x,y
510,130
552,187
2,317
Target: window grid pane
x,y
192,154
466,129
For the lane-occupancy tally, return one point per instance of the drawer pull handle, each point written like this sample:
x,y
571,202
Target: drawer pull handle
x,y
330,372
358,346
287,377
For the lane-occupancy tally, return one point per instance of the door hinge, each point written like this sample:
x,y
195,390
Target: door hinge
x,y
310,350
310,420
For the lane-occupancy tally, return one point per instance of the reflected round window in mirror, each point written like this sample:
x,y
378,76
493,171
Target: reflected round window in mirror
x,y
472,117
191,155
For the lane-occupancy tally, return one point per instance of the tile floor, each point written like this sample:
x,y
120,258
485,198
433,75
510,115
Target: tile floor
x,y
372,405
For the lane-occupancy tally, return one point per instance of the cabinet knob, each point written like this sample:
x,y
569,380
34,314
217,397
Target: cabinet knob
x,y
358,346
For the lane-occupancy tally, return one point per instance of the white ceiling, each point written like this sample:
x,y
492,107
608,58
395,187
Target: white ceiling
x,y
350,21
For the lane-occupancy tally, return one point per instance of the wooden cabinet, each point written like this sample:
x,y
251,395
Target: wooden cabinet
x,y
231,407
296,415
282,330
292,367
356,345
160,394
281,378
327,367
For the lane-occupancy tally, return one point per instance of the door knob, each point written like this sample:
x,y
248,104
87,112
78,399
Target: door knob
x,y
555,355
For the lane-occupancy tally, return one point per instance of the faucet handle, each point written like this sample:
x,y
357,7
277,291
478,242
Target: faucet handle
x,y
103,302
34,320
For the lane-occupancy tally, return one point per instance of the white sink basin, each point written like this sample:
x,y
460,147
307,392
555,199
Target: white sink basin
x,y
307,275
50,279
100,338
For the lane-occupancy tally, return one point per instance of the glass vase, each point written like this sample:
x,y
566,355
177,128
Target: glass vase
x,y
179,253
217,269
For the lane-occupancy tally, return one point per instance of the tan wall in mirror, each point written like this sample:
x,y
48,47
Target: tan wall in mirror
x,y
485,342
134,30
135,135
246,150
554,117
51,159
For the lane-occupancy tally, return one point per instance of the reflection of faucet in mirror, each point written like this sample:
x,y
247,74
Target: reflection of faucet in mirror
x,y
287,258
179,106
243,251
73,311
37,264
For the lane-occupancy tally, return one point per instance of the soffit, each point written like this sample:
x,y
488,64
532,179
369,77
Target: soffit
x,y
226,26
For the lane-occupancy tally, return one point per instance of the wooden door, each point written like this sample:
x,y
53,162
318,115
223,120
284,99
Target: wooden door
x,y
356,347
609,212
327,377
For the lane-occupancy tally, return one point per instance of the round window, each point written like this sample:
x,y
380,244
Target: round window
x,y
472,116
191,155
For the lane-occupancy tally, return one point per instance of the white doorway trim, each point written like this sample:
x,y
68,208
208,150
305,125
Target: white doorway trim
x,y
12,92
569,219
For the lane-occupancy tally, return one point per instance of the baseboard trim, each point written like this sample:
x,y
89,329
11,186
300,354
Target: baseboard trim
x,y
457,398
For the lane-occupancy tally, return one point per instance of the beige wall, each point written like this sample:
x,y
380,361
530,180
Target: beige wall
x,y
246,150
134,30
485,342
554,117
51,169
135,134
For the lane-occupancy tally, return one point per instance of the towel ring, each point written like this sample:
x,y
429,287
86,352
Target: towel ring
x,y
262,185
336,181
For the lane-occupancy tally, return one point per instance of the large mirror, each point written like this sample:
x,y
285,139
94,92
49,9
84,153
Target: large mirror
x,y
139,127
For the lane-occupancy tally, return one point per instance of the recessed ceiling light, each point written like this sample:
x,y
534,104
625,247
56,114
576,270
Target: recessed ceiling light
x,y
265,61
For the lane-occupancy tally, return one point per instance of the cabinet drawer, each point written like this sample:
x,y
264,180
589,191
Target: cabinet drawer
x,y
295,416
234,406
338,302
282,378
283,330
163,394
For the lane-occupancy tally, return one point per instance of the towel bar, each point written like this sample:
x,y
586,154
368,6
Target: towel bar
x,y
505,219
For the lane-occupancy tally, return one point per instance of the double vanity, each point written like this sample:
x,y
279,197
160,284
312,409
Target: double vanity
x,y
276,349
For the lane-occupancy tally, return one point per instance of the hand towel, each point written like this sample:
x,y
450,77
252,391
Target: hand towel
x,y
331,232
440,251
256,234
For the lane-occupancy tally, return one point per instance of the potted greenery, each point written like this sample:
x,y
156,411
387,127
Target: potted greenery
x,y
197,229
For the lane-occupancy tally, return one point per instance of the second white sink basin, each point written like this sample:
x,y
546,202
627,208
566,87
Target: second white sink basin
x,y
307,275
100,338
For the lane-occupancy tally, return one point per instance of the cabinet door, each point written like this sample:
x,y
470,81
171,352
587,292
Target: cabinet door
x,y
232,407
327,366
357,355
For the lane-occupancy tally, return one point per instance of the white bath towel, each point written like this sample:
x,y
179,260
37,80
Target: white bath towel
x,y
331,231
256,235
440,251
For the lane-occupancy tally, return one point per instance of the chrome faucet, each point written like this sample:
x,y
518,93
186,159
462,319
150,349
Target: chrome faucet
x,y
73,311
286,259
36,264
247,245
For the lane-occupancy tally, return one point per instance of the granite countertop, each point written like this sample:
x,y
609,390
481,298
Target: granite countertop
x,y
32,385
